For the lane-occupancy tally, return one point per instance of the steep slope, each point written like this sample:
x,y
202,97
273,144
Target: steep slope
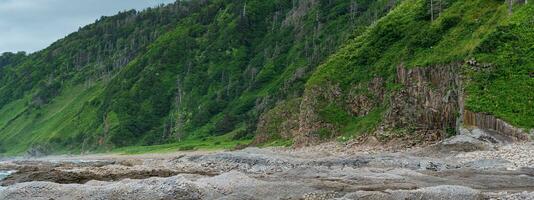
x,y
193,70
11,58
417,72
42,95
221,73
214,76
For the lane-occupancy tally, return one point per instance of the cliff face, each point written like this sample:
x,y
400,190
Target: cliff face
x,y
310,122
491,123
407,76
428,100
278,124
320,102
212,72
188,72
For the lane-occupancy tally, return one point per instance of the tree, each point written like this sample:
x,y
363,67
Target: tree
x,y
225,125
432,9
244,13
353,10
510,6
436,7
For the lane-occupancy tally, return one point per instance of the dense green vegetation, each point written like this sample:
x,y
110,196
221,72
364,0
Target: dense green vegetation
x,y
464,30
190,71
216,74
506,88
9,58
200,74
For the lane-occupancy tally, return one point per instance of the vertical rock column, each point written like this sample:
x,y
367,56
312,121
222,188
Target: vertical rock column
x,y
490,122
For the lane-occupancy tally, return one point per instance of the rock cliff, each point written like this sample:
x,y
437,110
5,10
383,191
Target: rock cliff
x,y
428,101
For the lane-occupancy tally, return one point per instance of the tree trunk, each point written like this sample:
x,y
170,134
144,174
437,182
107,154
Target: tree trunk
x,y
432,10
245,10
440,8
510,6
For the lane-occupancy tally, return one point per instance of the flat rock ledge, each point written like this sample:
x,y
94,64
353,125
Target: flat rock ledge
x,y
452,170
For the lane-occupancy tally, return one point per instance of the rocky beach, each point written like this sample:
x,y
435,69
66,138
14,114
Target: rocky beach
x,y
256,99
467,166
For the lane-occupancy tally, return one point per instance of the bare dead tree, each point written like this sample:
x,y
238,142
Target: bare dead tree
x,y
245,10
440,7
432,10
510,6
353,10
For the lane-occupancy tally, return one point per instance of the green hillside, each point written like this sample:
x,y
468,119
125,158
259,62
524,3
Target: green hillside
x,y
221,73
182,73
482,30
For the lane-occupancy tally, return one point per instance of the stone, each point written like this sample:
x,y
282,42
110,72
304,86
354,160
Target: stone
x,y
328,171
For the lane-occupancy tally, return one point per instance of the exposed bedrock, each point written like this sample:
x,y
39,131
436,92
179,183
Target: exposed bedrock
x,y
492,124
427,101
255,173
309,120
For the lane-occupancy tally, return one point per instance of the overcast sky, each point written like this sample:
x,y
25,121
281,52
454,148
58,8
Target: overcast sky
x,y
32,25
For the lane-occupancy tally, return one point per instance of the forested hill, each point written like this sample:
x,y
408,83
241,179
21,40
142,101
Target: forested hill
x,y
187,71
218,73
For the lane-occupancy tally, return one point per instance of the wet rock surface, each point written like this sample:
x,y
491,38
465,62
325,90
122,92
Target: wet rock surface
x,y
448,170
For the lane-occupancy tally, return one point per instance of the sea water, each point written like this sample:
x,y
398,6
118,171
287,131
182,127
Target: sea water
x,y
4,174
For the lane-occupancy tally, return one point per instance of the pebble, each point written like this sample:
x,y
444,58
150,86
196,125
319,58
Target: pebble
x,y
518,155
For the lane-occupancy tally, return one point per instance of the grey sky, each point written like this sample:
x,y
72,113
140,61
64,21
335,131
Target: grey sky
x,y
32,25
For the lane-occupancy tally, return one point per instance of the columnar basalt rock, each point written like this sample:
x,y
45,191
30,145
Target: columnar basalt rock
x,y
429,98
492,123
428,101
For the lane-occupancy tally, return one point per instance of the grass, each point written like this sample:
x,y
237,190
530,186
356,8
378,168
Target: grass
x,y
362,125
407,36
480,29
505,89
278,143
59,121
213,143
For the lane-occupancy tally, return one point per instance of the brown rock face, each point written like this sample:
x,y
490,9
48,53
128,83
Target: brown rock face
x,y
361,104
429,99
309,119
358,100
489,122
281,122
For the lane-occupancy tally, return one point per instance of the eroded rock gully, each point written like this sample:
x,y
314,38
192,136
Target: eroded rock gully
x,y
327,171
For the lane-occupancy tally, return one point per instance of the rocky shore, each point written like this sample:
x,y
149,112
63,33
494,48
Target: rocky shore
x,y
464,167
